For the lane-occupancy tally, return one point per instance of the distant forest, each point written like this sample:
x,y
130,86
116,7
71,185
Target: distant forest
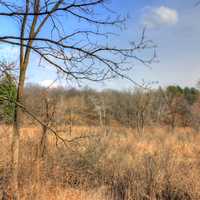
x,y
172,106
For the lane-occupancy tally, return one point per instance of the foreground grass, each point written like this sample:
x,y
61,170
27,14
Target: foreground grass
x,y
116,163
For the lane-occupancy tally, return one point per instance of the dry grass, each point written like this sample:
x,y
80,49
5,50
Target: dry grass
x,y
118,164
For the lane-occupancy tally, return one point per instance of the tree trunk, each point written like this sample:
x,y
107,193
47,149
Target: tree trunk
x,y
40,159
16,137
42,149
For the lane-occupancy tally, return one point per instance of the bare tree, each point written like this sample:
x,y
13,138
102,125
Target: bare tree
x,y
142,100
6,69
77,52
172,97
99,108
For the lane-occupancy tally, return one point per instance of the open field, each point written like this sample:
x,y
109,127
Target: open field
x,y
99,100
114,164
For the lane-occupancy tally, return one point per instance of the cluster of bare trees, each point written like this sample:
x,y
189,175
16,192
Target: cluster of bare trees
x,y
138,108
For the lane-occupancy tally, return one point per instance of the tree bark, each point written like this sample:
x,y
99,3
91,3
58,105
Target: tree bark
x,y
16,136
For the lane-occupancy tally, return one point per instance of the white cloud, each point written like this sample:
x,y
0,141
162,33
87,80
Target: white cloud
x,y
156,17
49,84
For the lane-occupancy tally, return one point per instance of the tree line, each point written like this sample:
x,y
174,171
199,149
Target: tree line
x,y
172,106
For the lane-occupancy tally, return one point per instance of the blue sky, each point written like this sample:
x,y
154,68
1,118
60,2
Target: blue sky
x,y
174,27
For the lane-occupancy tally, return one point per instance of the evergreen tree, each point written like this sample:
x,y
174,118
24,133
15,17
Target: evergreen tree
x,y
7,97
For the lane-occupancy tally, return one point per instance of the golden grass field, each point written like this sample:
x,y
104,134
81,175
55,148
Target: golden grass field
x,y
114,164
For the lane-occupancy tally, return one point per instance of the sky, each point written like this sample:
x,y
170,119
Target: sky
x,y
173,25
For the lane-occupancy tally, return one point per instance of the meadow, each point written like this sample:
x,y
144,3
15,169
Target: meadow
x,y
105,163
99,100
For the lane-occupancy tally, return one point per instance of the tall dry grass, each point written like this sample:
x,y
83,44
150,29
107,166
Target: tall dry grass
x,y
116,164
